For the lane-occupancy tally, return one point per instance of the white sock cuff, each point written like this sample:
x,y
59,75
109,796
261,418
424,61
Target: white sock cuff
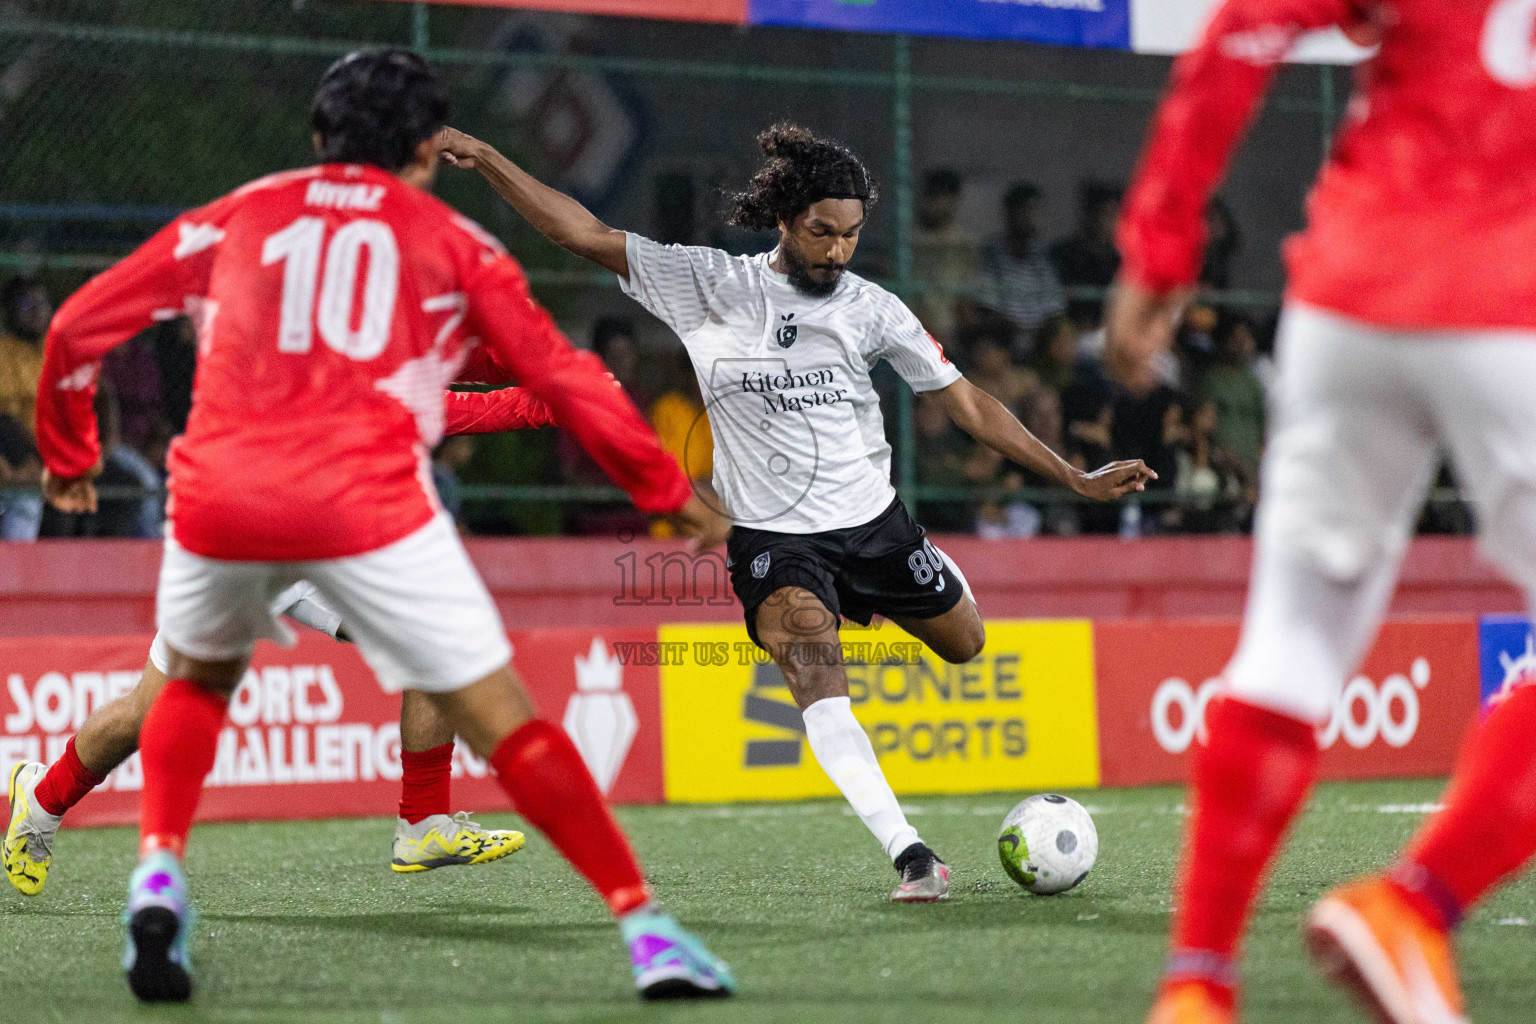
x,y
828,713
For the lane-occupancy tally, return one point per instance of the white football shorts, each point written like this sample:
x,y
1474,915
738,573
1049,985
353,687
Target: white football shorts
x,y
417,610
1360,419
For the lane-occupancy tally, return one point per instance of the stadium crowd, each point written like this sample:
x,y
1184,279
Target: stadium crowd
x,y
1018,313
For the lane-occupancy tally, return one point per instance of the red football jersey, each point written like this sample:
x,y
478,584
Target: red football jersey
x,y
333,305
491,412
1424,215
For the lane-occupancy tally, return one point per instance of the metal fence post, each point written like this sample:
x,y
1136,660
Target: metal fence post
x,y
1328,108
421,36
901,126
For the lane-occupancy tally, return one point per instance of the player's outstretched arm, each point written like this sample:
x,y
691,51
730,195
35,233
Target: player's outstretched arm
x,y
553,214
988,421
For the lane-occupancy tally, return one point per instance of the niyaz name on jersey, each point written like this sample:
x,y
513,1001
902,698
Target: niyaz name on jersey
x,y
337,196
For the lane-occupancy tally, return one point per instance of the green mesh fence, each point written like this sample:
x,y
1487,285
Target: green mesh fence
x,y
117,114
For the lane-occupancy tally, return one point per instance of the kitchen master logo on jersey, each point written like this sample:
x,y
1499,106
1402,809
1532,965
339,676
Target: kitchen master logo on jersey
x,y
766,449
600,717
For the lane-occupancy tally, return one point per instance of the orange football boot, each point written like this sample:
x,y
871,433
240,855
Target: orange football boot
x,y
1190,1002
1367,939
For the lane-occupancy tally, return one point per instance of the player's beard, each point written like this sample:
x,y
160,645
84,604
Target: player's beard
x,y
798,270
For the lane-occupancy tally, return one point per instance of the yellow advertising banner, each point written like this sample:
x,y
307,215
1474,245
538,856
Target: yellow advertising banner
x,y
1020,716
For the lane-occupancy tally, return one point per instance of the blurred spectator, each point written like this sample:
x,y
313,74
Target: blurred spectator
x,y
680,420
992,369
1088,258
24,314
133,368
451,456
21,514
1200,484
122,468
175,346
942,454
613,340
1053,357
1087,412
1231,386
1223,242
943,254
1149,427
676,223
1017,281
1041,412
1264,368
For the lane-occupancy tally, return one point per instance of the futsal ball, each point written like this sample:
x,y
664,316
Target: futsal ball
x,y
1048,844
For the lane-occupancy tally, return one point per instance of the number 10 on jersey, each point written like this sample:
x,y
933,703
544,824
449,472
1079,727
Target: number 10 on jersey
x,y
299,248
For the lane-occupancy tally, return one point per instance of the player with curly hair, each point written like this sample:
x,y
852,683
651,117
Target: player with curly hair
x,y
783,345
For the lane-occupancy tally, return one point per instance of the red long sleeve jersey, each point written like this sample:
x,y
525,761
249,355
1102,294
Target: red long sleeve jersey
x,y
333,305
491,412
1424,215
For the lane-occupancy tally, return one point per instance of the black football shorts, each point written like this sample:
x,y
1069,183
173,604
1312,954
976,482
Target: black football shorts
x,y
887,566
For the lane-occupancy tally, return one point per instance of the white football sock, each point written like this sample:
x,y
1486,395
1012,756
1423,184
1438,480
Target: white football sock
x,y
301,603
844,752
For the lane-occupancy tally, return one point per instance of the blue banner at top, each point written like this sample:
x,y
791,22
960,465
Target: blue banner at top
x,y
1098,23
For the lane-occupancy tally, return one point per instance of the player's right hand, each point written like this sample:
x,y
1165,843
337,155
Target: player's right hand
x,y
1114,480
76,495
1139,327
702,521
458,149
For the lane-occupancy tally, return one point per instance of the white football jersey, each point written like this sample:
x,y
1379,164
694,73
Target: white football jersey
x,y
799,440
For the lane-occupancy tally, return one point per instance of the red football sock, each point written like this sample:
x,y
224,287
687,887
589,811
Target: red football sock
x,y
1488,827
550,786
177,744
424,782
66,782
1250,780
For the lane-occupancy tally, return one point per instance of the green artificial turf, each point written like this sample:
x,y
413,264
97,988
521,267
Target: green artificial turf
x,y
305,922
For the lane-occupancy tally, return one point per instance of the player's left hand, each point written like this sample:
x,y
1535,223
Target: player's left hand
x,y
1139,326
1114,480
76,495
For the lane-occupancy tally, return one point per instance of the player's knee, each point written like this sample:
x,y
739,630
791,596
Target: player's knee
x,y
967,643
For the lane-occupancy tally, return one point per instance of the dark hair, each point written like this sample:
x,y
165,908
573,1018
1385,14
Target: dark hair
x,y
608,328
1019,193
376,106
16,286
942,181
802,168
1228,322
1093,194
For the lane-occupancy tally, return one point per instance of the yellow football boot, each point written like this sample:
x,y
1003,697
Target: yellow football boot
x,y
440,841
28,847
